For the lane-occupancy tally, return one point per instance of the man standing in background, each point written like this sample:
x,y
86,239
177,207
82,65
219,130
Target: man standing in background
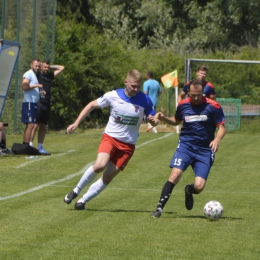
x,y
152,89
45,77
30,86
209,89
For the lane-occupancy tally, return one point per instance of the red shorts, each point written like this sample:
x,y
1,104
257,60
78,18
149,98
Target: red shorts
x,y
120,153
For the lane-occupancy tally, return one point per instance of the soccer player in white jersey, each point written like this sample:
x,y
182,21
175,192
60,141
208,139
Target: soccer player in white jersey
x,y
127,108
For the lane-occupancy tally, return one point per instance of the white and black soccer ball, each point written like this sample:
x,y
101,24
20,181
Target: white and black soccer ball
x,y
213,210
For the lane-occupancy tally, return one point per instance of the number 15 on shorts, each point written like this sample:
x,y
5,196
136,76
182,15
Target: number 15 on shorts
x,y
177,162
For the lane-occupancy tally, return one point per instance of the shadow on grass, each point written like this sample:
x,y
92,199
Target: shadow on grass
x,y
165,214
195,216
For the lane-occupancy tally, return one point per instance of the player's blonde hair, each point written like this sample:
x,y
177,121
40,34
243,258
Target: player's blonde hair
x,y
135,75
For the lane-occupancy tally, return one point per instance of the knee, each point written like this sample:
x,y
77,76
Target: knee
x,y
42,126
98,167
175,175
31,126
199,187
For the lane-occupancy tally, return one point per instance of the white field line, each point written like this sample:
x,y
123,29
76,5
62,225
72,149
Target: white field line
x,y
48,184
45,157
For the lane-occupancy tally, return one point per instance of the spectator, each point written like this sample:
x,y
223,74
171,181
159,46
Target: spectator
x,y
45,78
30,86
3,149
152,89
209,90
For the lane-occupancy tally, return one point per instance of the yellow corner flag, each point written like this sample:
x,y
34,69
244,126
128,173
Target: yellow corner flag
x,y
170,79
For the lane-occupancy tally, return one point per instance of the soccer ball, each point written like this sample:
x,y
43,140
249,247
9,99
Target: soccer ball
x,y
213,210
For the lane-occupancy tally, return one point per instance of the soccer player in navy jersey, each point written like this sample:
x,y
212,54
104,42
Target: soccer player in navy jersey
x,y
127,108
197,144
209,89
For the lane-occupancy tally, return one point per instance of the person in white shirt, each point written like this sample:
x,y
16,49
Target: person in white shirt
x,y
127,108
30,86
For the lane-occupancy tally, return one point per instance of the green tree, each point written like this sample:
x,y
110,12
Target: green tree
x,y
93,66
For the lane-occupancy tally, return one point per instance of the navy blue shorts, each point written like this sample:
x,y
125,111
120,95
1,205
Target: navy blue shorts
x,y
200,158
29,112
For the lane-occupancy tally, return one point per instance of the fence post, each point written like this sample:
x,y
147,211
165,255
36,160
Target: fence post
x,y
17,67
3,20
169,101
33,29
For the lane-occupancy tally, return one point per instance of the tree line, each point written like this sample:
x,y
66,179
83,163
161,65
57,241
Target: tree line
x,y
100,41
182,25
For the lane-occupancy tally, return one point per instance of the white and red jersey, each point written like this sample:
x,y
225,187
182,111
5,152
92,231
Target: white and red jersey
x,y
126,114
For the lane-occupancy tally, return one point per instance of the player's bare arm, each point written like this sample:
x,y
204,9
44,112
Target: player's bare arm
x,y
83,114
181,96
27,86
167,120
216,142
152,120
213,97
58,69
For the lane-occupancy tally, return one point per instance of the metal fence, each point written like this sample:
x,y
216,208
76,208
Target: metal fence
x,y
31,23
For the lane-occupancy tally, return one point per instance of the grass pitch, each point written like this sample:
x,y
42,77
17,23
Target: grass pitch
x,y
37,224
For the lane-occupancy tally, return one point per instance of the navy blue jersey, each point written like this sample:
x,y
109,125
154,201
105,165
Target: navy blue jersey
x,y
199,121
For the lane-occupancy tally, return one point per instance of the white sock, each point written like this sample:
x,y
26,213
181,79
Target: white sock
x,y
93,191
154,129
86,178
40,146
31,143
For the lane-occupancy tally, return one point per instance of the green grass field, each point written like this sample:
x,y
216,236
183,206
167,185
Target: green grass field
x,y
37,224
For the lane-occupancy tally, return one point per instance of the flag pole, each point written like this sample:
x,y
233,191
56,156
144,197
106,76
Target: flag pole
x,y
171,80
176,104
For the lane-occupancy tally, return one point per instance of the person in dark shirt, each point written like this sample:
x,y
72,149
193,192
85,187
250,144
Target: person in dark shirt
x,y
45,77
197,144
209,89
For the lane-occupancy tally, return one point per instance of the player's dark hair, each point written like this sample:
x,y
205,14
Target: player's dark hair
x,y
195,83
203,68
47,62
149,74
